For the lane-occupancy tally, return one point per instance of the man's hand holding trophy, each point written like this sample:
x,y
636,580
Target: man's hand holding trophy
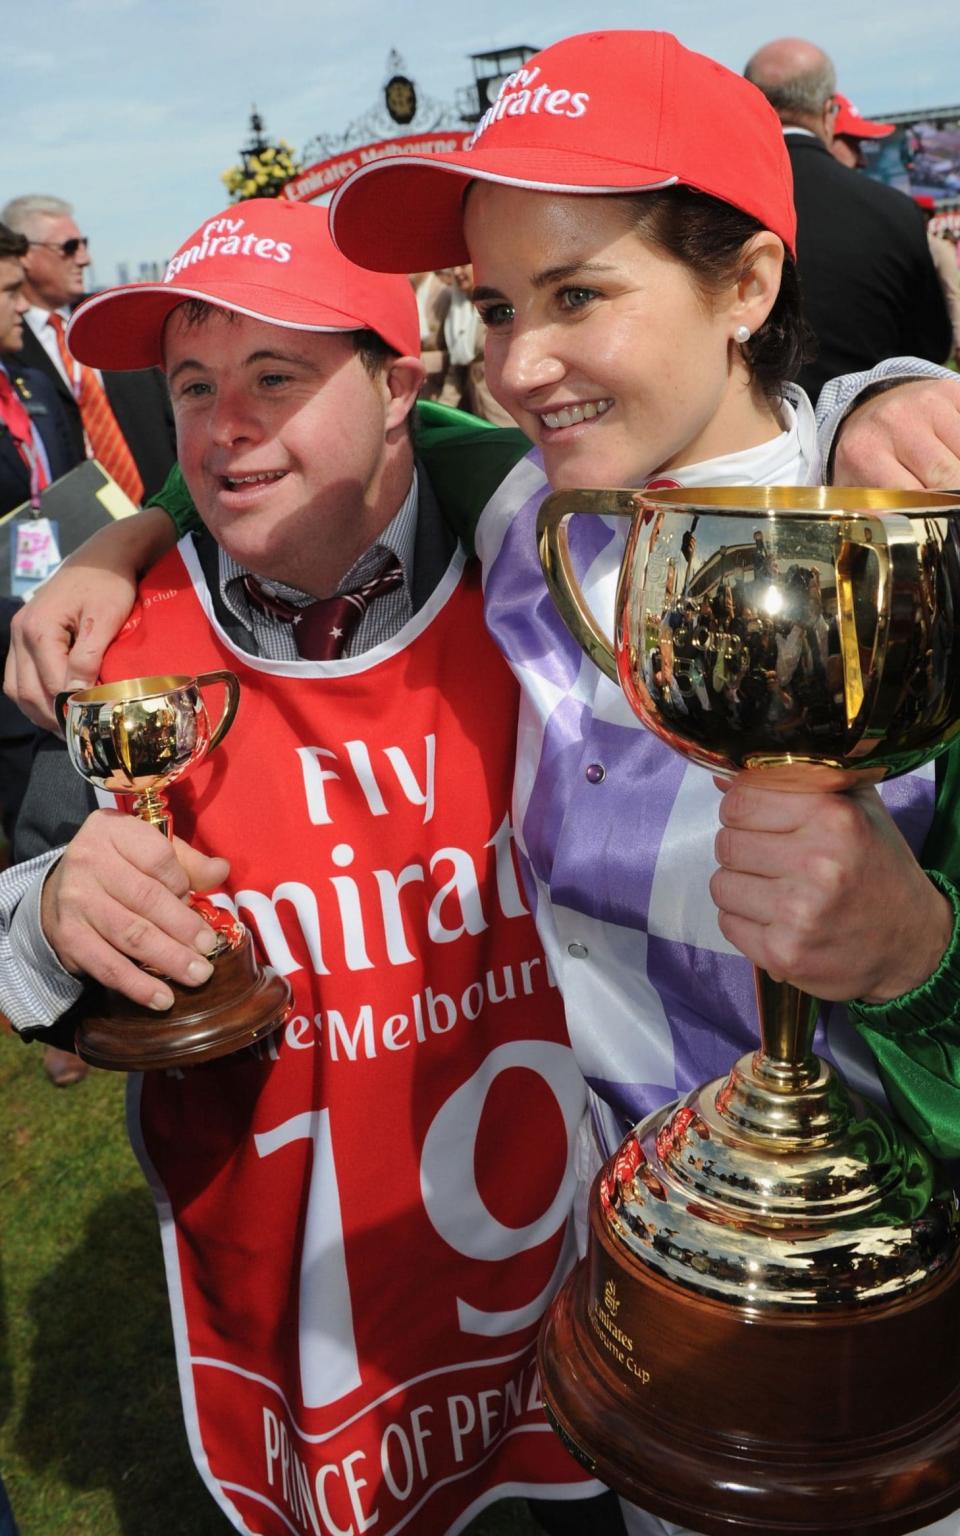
x,y
134,739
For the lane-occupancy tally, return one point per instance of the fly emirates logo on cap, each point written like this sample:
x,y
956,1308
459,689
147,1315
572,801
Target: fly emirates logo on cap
x,y
523,93
225,237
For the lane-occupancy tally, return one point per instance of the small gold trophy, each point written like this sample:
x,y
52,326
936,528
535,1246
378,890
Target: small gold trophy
x,y
136,738
764,1336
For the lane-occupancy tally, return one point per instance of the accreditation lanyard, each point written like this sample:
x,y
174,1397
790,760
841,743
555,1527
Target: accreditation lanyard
x,y
38,480
15,418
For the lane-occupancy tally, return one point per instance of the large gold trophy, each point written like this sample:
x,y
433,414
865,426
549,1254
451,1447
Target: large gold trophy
x,y
136,738
764,1336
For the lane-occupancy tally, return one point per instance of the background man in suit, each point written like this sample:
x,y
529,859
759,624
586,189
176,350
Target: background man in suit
x,y
34,439
34,451
869,287
121,419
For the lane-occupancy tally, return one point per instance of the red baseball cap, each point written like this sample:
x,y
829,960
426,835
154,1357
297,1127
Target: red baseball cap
x,y
603,112
267,258
848,122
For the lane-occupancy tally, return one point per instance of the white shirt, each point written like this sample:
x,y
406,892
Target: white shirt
x,y
39,322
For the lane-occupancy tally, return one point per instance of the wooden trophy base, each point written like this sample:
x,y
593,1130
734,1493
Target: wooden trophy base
x,y
239,1005
839,1420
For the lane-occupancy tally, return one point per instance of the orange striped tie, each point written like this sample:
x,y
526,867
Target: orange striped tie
x,y
107,443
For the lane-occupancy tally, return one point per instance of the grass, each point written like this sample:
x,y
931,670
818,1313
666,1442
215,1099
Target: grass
x,y
91,1437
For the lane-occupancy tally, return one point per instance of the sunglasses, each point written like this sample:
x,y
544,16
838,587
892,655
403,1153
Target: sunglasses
x,y
67,247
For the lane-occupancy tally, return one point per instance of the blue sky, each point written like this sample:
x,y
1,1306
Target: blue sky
x,y
132,108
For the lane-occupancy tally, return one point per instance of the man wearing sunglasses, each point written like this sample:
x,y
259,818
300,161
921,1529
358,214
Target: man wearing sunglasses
x,y
121,419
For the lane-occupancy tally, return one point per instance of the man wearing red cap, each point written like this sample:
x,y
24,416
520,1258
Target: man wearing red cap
x,y
869,288
849,131
364,1219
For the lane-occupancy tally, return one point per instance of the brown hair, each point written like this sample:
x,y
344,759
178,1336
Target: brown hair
x,y
13,245
708,237
373,351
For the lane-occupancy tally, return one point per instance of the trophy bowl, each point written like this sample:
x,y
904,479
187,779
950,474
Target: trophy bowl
x,y
764,1335
135,739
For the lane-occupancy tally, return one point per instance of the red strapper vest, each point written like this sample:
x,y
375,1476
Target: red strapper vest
x,y
363,1220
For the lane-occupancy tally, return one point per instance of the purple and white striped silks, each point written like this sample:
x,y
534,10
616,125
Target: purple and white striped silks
x,y
617,865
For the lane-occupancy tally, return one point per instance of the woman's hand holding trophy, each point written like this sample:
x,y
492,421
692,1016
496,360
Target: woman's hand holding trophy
x,y
771,1255
778,921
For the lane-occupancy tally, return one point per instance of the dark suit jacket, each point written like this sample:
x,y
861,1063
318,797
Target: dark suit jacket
x,y
18,738
43,408
870,288
140,403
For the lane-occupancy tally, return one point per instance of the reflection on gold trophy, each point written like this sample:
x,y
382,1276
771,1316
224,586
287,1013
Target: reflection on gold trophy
x,y
137,738
765,1334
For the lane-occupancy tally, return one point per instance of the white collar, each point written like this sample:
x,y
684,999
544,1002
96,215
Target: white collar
x,y
38,318
790,458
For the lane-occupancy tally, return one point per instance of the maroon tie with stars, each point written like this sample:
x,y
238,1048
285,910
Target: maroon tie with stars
x,y
323,628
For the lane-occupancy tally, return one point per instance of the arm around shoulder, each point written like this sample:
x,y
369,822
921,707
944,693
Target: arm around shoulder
x,y
896,425
58,639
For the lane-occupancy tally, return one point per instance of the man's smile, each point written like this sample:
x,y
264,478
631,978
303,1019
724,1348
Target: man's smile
x,y
258,478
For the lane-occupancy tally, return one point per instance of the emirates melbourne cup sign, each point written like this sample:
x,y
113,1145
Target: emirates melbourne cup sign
x,y
326,175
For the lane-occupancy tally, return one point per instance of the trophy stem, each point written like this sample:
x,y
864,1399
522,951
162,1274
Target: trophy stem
x,y
153,808
783,1094
785,1061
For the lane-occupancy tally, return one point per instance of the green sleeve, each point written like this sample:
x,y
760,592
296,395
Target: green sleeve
x,y
465,458
916,1038
177,502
